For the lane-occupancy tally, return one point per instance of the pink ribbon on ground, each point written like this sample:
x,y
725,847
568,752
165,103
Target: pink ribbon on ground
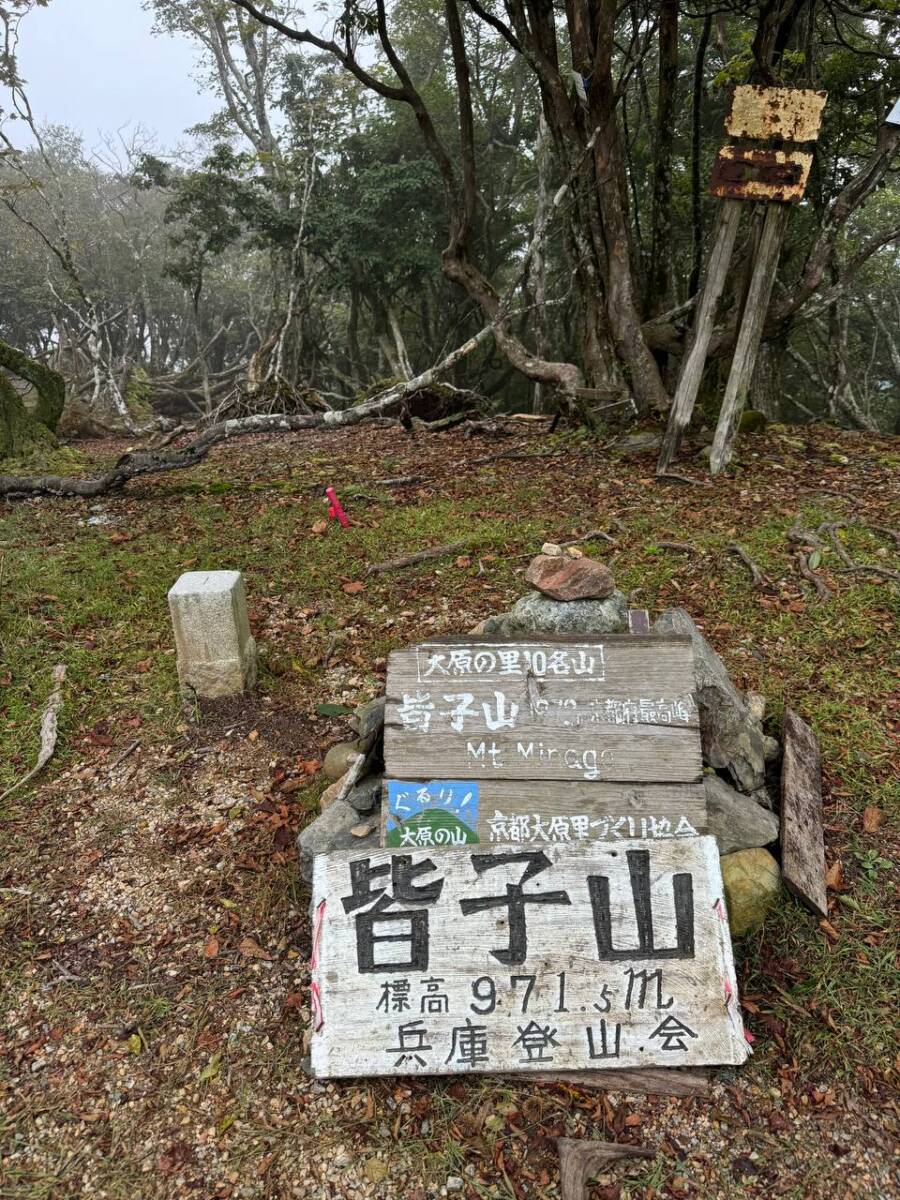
x,y
335,511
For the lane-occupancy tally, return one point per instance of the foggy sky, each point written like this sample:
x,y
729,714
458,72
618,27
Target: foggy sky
x,y
95,66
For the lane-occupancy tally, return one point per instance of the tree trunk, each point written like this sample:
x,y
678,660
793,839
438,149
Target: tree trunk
x,y
403,362
659,275
696,194
621,298
20,429
538,280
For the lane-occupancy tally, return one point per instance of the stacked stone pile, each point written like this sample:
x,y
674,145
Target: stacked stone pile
x,y
576,596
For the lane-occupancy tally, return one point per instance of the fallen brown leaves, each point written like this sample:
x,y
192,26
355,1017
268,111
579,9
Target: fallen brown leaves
x,y
250,948
873,819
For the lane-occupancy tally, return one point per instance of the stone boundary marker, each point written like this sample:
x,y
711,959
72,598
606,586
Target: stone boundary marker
x,y
553,740
561,958
216,653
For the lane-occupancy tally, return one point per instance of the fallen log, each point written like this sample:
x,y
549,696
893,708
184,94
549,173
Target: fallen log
x,y
155,461
650,1081
152,462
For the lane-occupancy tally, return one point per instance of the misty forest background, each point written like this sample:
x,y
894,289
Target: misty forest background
x,y
379,187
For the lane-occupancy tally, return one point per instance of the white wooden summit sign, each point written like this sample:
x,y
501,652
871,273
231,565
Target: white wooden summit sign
x,y
534,958
545,899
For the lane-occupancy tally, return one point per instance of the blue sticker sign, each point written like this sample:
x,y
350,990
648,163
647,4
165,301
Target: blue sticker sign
x,y
441,812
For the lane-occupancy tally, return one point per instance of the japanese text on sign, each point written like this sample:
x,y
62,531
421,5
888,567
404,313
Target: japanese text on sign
x,y
457,963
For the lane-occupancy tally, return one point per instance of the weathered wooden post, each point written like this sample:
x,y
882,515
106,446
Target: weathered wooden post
x,y
695,360
789,117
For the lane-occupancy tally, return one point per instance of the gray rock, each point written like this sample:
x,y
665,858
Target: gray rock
x,y
771,749
503,625
638,443
535,613
321,834
366,794
762,796
736,821
368,720
329,831
732,737
340,758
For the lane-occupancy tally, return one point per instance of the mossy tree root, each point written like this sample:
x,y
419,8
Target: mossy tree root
x,y
49,384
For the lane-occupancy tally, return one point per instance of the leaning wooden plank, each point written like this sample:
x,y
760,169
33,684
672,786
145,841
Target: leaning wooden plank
x,y
580,1161
648,1081
559,958
456,812
727,222
802,837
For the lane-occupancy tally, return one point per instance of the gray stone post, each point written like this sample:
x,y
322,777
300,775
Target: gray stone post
x,y
216,654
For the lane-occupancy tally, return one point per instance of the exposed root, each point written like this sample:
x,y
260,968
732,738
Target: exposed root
x,y
49,730
759,580
410,560
818,583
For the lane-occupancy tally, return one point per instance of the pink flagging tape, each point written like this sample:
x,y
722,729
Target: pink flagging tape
x,y
336,512
749,1037
720,910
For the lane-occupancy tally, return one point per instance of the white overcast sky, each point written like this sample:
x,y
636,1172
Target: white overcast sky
x,y
95,65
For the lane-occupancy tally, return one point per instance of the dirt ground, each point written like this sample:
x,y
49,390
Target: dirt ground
x,y
153,929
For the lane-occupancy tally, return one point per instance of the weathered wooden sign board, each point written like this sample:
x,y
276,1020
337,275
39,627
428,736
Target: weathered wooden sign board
x,y
753,173
552,741
761,113
456,963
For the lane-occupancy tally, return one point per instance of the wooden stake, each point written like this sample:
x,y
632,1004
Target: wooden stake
x,y
749,336
704,323
802,835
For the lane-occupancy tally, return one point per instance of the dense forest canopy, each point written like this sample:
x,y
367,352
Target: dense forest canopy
x,y
376,189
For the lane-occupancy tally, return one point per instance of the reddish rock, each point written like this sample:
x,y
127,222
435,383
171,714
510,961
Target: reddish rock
x,y
564,578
